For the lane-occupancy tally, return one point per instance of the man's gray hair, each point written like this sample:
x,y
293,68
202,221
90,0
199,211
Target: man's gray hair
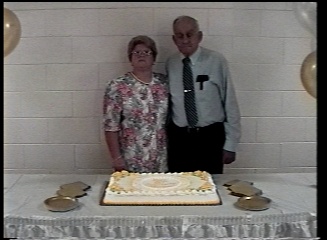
x,y
189,19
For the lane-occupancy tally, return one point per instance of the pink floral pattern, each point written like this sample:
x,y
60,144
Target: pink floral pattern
x,y
139,111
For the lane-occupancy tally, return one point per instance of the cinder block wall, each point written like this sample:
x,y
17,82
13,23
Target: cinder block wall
x,y
55,79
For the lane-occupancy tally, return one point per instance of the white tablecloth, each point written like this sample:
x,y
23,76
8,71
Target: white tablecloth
x,y
292,213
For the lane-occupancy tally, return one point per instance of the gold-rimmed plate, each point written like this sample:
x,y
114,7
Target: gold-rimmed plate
x,y
253,203
60,203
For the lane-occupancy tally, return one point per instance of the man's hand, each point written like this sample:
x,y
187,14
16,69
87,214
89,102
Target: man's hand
x,y
228,157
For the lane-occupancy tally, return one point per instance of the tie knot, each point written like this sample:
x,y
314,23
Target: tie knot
x,y
186,60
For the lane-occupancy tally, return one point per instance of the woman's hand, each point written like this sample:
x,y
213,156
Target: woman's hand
x,y
119,168
118,164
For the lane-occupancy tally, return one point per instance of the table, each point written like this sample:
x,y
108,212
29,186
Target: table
x,y
292,212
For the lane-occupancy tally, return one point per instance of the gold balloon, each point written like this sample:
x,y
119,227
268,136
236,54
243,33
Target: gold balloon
x,y
11,31
309,74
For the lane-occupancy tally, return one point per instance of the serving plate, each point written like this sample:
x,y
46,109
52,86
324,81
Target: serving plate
x,y
60,203
243,189
232,182
71,192
80,185
253,203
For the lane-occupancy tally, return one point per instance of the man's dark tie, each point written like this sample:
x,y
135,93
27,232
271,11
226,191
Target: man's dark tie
x,y
189,95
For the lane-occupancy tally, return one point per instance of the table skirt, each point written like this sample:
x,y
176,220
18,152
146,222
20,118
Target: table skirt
x,y
286,226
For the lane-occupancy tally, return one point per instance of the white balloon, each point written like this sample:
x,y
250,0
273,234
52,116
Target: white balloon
x,y
306,14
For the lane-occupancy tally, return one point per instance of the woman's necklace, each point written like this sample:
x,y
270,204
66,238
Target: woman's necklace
x,y
147,83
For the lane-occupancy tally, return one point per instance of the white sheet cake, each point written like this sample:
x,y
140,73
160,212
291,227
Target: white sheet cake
x,y
184,188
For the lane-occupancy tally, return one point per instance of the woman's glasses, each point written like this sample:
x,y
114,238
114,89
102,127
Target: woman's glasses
x,y
144,53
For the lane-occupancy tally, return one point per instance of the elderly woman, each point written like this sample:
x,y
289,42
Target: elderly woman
x,y
135,111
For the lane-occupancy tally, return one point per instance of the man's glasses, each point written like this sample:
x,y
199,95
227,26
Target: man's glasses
x,y
144,53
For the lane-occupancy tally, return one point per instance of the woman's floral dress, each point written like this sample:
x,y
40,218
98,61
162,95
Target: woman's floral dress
x,y
139,112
